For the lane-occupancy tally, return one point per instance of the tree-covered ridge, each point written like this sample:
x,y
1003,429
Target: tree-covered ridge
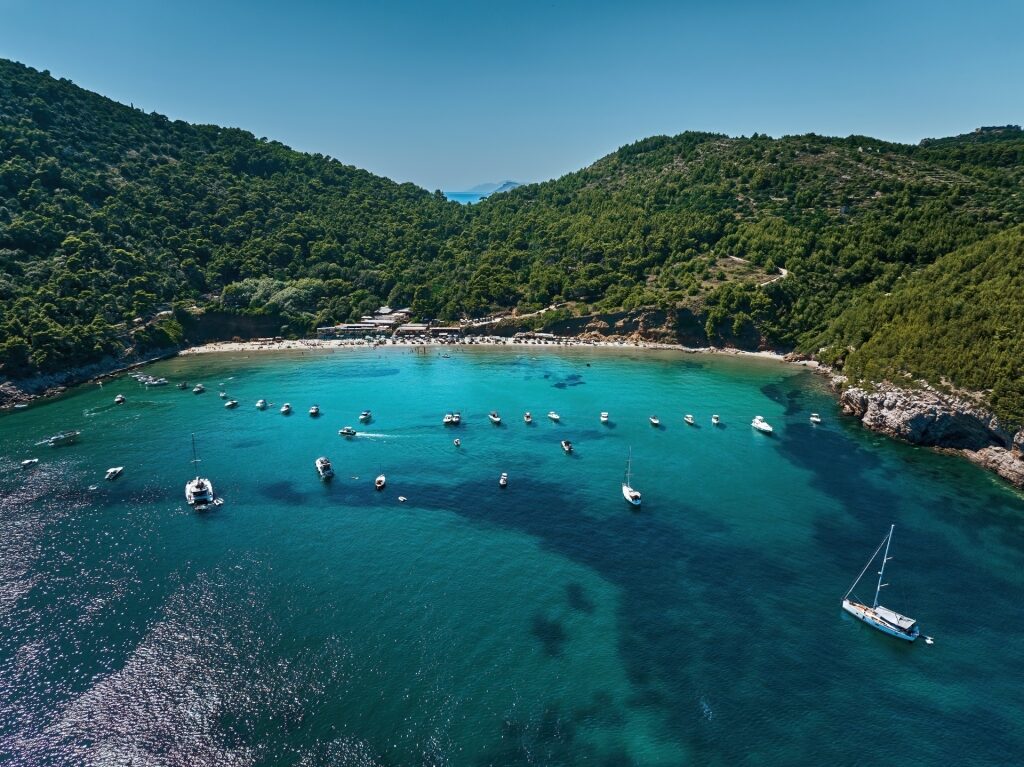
x,y
108,214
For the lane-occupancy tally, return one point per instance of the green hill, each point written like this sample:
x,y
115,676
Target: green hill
x,y
110,216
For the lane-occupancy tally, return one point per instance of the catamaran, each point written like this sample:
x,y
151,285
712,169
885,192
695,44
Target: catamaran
x,y
198,491
631,495
877,616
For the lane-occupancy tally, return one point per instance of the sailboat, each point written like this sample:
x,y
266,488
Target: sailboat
x,y
198,491
631,495
877,616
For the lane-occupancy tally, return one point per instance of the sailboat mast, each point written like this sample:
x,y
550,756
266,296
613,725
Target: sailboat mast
x,y
195,456
885,558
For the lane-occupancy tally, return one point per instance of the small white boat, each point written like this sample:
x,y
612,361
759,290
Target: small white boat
x,y
286,409
314,411
689,419
261,404
231,403
157,382
655,421
323,467
198,491
365,416
28,463
882,618
815,418
631,494
198,389
604,417
527,418
347,431
119,399
113,472
715,420
495,418
222,394
456,419
554,416
503,480
182,385
457,442
761,425
566,446
402,499
447,420
380,482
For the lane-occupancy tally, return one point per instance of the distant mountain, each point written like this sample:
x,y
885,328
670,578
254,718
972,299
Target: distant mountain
x,y
486,189
508,186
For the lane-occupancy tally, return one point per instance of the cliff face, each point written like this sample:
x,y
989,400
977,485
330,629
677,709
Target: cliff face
x,y
934,419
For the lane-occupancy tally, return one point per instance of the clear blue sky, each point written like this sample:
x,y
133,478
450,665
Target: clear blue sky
x,y
452,94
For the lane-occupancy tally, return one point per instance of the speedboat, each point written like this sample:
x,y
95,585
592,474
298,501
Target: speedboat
x,y
631,495
198,491
261,404
815,418
28,463
655,421
527,418
286,409
231,403
566,446
495,418
198,389
380,482
314,411
761,425
365,416
715,420
456,419
503,480
119,399
64,438
448,419
689,419
323,467
347,431
554,416
604,417
114,472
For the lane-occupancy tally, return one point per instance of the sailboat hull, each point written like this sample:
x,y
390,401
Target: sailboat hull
x,y
876,621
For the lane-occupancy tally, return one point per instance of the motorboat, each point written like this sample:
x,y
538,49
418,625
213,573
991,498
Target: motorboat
x,y
314,411
323,467
198,491
457,442
380,482
28,463
503,480
882,618
554,416
365,417
119,399
456,419
231,403
448,419
347,431
604,417
655,421
761,425
815,418
222,394
261,404
631,494
689,419
286,409
59,440
157,382
198,389
182,385
715,420
527,418
495,418
566,446
113,472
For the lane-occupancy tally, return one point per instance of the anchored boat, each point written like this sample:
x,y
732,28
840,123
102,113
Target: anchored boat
x,y
882,618
631,494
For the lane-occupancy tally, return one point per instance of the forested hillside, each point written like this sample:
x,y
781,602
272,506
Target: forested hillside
x,y
109,215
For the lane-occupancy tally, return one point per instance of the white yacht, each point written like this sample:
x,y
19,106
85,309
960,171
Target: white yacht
x,y
495,418
879,617
815,418
655,421
631,494
689,419
503,480
347,431
59,440
365,416
604,417
28,463
527,418
314,411
448,419
198,389
119,399
261,404
554,416
113,472
323,467
566,446
761,425
286,409
380,482
715,420
198,491
231,403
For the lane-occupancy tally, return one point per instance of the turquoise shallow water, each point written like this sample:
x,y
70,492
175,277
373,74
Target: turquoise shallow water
x,y
547,623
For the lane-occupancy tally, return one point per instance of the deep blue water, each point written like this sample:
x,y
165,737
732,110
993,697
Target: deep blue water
x,y
305,623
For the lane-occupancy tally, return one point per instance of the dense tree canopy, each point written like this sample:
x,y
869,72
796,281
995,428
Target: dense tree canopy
x,y
110,216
